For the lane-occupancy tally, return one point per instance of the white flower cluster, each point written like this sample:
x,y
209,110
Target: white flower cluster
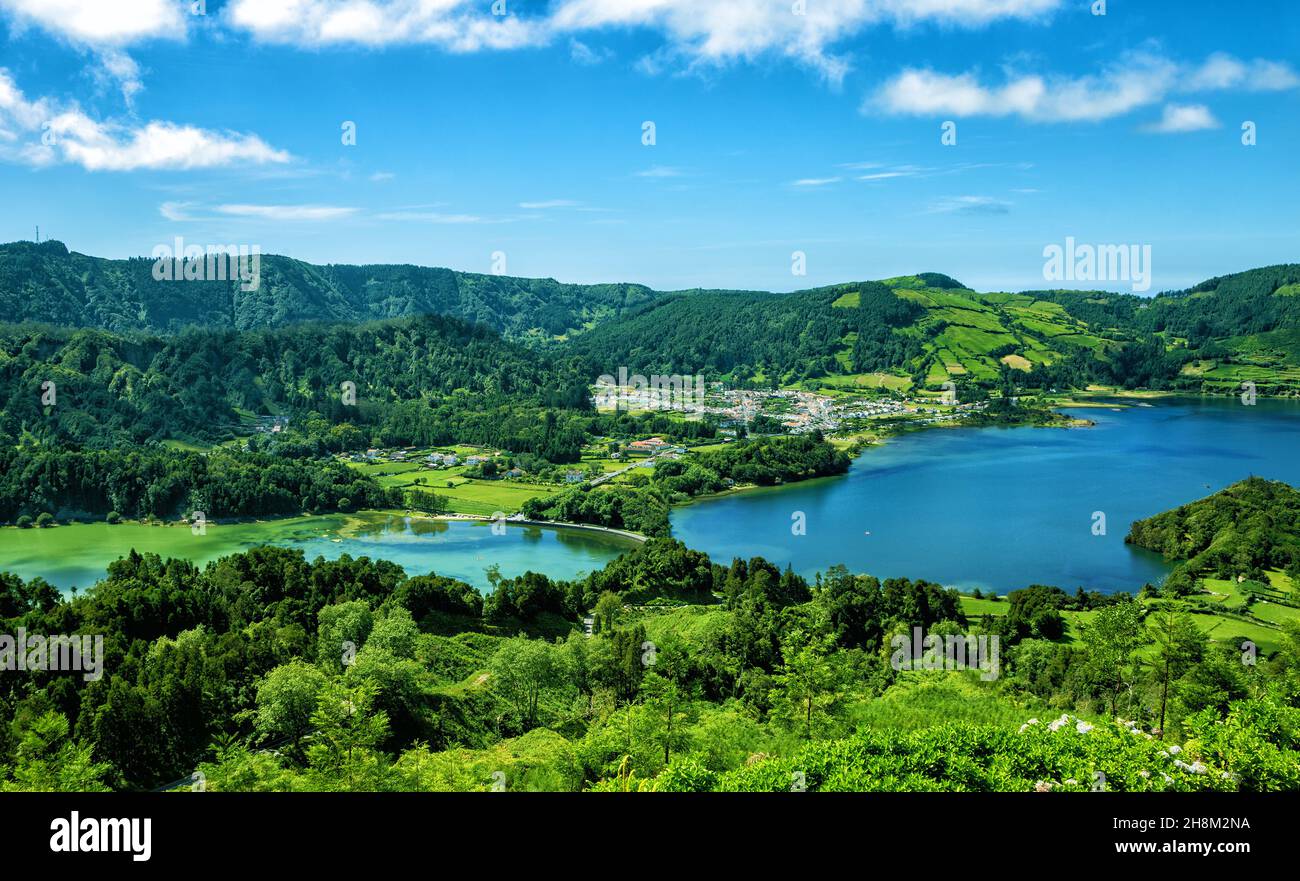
x,y
1133,728
1057,724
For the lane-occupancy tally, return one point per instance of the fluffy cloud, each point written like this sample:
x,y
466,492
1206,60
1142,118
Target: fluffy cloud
x,y
98,22
695,33
1184,118
1139,80
40,132
1221,71
103,29
458,25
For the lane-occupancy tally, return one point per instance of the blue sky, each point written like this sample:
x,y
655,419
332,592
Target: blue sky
x,y
779,127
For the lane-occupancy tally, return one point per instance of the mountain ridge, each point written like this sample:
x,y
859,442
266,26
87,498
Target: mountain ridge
x,y
926,330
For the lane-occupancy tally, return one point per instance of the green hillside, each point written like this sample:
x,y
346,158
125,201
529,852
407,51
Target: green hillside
x,y
928,329
1240,532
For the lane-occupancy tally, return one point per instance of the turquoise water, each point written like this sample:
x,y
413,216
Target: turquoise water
x,y
78,555
465,550
1006,507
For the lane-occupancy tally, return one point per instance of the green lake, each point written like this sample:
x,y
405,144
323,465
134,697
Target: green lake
x,y
79,554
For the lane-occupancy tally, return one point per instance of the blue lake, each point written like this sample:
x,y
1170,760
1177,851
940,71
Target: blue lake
x,y
1006,507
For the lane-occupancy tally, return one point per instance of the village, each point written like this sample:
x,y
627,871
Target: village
x,y
483,481
797,411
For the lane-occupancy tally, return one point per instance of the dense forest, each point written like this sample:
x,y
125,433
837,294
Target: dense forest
x,y
264,671
1221,308
47,283
420,380
45,484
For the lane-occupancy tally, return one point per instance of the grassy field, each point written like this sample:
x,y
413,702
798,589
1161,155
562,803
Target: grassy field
x,y
185,446
464,495
855,383
960,330
486,497
1226,626
974,608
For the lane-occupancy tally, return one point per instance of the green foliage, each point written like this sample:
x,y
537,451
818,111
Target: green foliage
x,y
46,760
976,758
286,701
156,482
1243,530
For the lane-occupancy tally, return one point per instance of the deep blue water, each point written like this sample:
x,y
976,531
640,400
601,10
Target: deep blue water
x,y
1006,507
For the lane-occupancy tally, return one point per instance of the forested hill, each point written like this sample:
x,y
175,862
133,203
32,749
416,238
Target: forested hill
x,y
47,283
1243,530
929,329
430,378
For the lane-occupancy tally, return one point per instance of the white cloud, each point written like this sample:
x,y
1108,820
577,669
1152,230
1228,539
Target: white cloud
x,y
659,171
103,28
695,33
1184,118
156,145
585,55
970,205
889,175
45,133
380,177
901,171
121,68
1222,71
972,13
1135,81
815,181
456,25
99,22
177,211
287,212
717,33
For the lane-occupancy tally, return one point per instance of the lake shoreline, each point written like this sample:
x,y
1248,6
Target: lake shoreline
x,y
350,515
546,524
930,507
